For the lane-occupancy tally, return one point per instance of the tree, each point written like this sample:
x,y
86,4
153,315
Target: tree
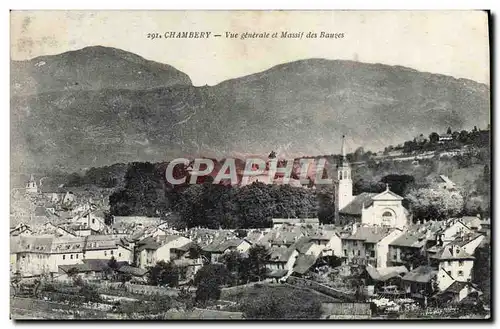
x,y
399,184
163,274
281,304
448,131
112,267
481,271
432,204
108,218
257,258
433,138
208,281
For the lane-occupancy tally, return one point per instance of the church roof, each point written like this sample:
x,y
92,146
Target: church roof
x,y
356,205
387,195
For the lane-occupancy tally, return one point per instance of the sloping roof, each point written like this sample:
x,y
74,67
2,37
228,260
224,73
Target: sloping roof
x,y
422,274
409,239
79,268
369,234
386,273
147,244
449,253
277,273
99,265
185,247
295,221
222,245
456,287
281,254
135,271
356,205
304,263
387,195
35,244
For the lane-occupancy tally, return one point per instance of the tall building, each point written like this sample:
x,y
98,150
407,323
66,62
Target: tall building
x,y
383,209
344,180
31,186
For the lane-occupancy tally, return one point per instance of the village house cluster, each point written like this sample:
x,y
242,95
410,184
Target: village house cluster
x,y
415,258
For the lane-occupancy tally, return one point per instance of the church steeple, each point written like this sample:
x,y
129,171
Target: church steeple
x,y
344,185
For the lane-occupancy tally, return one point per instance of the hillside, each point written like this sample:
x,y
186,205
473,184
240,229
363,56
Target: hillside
x,y
298,108
91,68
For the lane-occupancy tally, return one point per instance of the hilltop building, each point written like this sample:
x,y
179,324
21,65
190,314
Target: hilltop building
x,y
31,186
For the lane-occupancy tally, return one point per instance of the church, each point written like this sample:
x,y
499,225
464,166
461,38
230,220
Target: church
x,y
383,209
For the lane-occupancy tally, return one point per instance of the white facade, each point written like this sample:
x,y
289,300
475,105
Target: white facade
x,y
387,210
382,247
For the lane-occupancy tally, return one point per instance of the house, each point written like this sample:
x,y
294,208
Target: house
x,y
151,250
420,281
455,261
66,273
137,274
66,251
90,220
329,240
452,228
457,292
383,276
441,182
445,138
408,250
145,253
20,229
368,245
281,261
101,267
30,255
217,248
107,246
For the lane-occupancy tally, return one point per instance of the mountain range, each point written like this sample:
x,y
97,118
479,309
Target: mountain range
x,y
99,105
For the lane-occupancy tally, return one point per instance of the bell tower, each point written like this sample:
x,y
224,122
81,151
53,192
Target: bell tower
x,y
344,181
31,185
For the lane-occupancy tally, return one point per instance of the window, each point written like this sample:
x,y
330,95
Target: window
x,y
354,252
460,263
372,253
119,254
105,253
359,252
345,252
460,273
71,256
76,256
93,220
395,256
111,252
64,256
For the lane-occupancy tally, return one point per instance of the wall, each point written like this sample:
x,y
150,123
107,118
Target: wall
x,y
303,283
382,247
453,267
373,214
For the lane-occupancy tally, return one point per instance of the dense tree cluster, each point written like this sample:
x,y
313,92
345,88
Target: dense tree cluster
x,y
251,206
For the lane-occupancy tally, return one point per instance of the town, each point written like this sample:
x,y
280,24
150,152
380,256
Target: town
x,y
375,260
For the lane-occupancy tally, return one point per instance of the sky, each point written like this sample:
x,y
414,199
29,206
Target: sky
x,y
452,43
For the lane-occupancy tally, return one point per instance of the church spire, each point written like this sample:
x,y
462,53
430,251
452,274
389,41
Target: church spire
x,y
343,147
